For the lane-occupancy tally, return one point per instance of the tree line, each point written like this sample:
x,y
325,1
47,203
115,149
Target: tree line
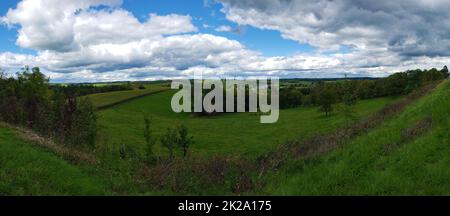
x,y
28,100
325,94
86,89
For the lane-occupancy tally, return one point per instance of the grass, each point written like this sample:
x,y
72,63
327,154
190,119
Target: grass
x,y
381,162
29,170
362,166
108,99
229,134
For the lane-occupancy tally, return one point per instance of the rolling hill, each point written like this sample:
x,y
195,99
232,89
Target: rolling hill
x,y
407,155
237,133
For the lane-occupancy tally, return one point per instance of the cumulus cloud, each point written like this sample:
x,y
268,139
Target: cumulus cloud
x,y
409,28
48,24
226,28
66,25
97,40
80,40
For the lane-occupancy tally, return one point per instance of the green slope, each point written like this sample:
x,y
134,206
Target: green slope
x,y
381,162
29,170
240,133
108,99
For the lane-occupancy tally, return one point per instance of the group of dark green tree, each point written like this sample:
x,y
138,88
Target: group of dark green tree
x,y
86,89
325,94
28,100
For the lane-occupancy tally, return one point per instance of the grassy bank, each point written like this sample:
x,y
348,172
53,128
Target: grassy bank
x,y
403,156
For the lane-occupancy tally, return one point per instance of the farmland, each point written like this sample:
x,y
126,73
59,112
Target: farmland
x,y
233,149
237,133
386,161
102,100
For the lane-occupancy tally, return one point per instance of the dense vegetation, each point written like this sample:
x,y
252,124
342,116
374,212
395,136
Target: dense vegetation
x,y
86,89
28,100
327,93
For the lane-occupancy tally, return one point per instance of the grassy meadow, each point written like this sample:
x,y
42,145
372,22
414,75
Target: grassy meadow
x,y
382,162
103,100
236,133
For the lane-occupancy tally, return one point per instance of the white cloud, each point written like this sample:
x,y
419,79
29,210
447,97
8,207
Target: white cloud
x,y
48,24
409,28
76,41
224,28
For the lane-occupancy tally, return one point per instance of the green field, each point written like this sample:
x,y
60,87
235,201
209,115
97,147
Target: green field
x,y
29,170
379,163
239,133
103,100
376,163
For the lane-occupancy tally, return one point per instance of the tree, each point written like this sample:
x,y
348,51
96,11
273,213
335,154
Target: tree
x,y
34,94
444,71
396,84
58,113
169,140
184,140
2,75
84,129
326,98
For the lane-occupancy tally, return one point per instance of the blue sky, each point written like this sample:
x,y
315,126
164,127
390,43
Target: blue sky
x,y
110,40
8,36
268,42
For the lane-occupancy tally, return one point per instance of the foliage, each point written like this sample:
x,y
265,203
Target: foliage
x,y
396,84
28,100
184,140
86,89
326,98
169,140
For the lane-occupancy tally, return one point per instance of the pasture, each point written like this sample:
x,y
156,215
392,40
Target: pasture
x,y
402,156
237,133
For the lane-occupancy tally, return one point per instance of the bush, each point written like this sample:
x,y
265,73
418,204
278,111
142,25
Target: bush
x,y
169,140
29,100
184,140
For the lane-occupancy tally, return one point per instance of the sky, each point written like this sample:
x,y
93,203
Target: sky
x,y
115,40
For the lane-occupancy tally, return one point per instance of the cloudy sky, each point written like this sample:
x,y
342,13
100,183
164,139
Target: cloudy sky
x,y
110,40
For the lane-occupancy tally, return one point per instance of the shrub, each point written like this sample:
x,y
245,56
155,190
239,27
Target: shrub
x,y
184,140
29,100
169,140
